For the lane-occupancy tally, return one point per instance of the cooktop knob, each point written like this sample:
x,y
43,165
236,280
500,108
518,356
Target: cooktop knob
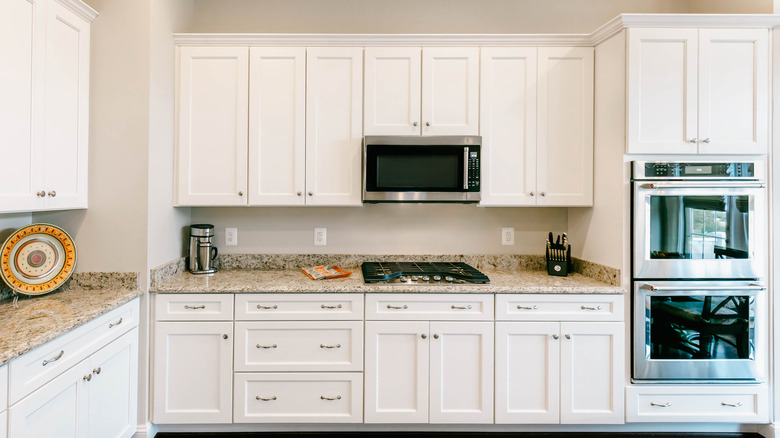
x,y
426,278
415,277
437,278
403,278
448,278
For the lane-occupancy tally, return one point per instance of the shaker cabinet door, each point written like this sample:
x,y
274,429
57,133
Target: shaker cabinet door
x,y
113,389
392,91
334,120
212,126
450,91
733,91
277,126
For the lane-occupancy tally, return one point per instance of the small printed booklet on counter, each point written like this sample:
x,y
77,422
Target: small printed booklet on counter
x,y
323,273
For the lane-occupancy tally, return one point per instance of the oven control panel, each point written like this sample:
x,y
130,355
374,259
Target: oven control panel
x,y
697,170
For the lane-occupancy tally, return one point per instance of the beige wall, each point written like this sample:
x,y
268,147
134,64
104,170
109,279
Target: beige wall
x,y
417,16
731,6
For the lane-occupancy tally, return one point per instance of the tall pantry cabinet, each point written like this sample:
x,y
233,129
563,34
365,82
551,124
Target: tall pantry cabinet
x,y
44,110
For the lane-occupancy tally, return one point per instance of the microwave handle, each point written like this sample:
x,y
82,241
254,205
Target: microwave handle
x,y
703,185
466,168
652,288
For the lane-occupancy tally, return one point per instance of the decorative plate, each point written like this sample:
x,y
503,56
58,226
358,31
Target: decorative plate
x,y
37,259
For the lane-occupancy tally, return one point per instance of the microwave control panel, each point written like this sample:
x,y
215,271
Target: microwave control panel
x,y
473,166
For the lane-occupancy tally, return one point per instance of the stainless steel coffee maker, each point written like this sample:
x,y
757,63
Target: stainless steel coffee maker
x,y
202,250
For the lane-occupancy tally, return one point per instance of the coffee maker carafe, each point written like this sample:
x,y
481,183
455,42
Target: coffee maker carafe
x,y
202,250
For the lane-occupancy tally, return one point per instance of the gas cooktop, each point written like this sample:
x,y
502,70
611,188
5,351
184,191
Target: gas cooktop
x,y
422,273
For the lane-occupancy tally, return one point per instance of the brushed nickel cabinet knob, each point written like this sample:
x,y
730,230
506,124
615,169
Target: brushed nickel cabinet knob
x,y
52,193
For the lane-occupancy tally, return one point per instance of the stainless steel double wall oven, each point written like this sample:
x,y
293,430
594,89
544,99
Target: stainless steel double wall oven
x,y
698,270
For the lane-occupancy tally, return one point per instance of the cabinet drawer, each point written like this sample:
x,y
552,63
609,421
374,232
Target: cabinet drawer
x,y
545,307
193,307
3,387
743,404
299,346
298,398
33,369
466,307
280,307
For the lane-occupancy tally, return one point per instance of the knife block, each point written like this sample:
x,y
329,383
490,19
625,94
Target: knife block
x,y
558,266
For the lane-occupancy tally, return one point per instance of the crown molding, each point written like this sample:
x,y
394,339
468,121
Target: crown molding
x,y
612,27
80,8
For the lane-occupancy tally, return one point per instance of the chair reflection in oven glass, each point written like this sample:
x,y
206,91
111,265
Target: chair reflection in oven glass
x,y
700,327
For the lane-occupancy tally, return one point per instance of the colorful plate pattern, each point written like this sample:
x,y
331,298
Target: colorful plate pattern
x,y
37,259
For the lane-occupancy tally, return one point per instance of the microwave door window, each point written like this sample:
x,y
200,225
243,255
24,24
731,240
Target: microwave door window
x,y
699,227
402,169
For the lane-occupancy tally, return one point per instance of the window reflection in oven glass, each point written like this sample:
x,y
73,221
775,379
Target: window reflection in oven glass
x,y
699,227
700,327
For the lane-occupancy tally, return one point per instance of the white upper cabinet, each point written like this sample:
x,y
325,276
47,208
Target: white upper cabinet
x,y
277,126
44,111
392,91
212,126
428,91
508,126
697,91
565,127
334,134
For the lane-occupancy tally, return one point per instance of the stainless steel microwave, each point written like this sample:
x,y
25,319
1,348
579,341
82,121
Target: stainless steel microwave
x,y
421,169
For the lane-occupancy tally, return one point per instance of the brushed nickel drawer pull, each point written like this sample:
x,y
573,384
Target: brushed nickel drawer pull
x,y
467,307
338,306
114,324
534,307
664,405
260,306
272,398
338,397
202,306
54,359
404,307
330,346
266,346
732,405
590,308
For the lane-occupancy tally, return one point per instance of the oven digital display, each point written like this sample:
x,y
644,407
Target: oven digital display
x,y
698,170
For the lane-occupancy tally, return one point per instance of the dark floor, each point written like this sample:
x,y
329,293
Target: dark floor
x,y
455,435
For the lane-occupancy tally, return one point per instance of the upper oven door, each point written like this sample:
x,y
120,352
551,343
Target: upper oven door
x,y
699,229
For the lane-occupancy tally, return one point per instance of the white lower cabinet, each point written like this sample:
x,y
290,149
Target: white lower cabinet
x,y
97,398
3,424
414,368
193,372
708,403
298,398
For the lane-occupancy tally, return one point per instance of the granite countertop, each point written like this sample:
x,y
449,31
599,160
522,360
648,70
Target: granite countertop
x,y
293,280
34,321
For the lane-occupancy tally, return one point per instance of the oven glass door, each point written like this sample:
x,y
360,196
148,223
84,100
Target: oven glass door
x,y
695,332
416,168
698,230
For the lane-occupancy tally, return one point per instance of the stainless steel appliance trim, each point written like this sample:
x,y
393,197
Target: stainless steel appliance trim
x,y
654,288
645,268
646,370
421,196
702,185
419,140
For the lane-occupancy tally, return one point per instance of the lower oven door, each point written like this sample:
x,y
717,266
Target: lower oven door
x,y
697,330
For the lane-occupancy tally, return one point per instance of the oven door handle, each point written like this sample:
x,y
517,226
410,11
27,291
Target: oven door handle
x,y
750,287
704,185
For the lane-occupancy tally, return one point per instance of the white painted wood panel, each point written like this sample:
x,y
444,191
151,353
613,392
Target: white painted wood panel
x,y
58,409
298,398
293,307
508,126
527,372
461,372
450,91
565,127
3,387
678,403
4,424
21,79
213,115
299,346
733,91
453,307
193,372
193,307
592,372
397,372
561,307
113,389
662,91
277,126
334,134
66,108
392,91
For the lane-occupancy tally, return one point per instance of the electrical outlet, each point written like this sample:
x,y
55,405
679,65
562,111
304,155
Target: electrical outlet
x,y
231,236
320,236
508,236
